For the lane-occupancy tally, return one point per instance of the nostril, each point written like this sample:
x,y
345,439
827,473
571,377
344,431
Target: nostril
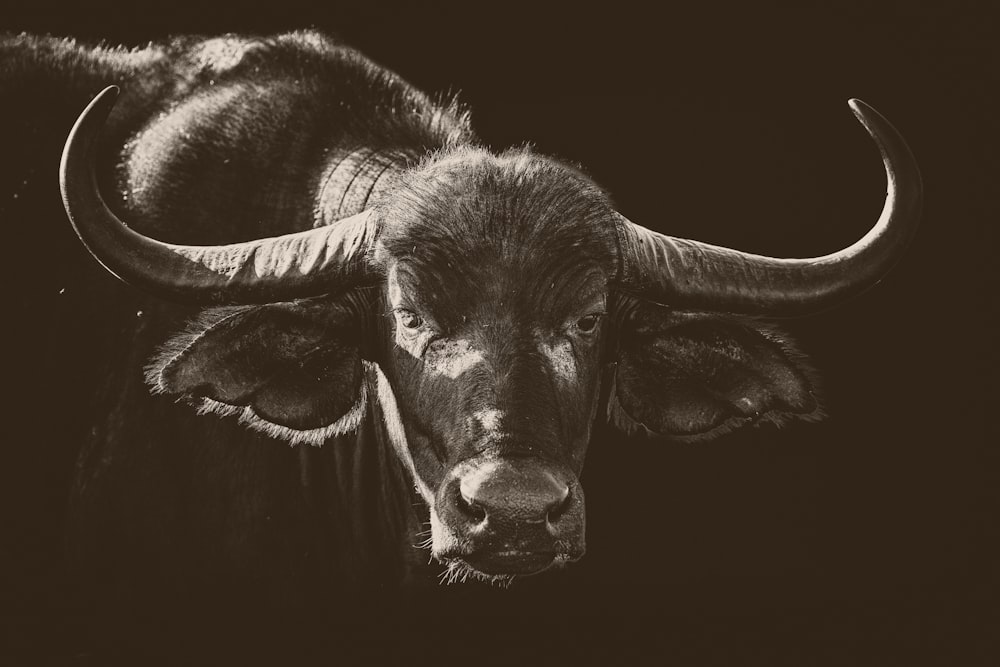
x,y
471,508
559,507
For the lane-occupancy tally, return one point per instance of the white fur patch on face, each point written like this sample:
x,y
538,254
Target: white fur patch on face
x,y
222,53
452,358
395,290
439,534
559,354
490,421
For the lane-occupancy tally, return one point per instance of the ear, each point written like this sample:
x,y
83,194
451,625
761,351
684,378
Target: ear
x,y
291,370
698,375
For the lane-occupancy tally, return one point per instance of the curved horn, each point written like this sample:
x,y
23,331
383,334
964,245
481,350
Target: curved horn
x,y
692,274
307,263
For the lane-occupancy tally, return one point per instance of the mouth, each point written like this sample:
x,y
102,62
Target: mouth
x,y
512,561
500,567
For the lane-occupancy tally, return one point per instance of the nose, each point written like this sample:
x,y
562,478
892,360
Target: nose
x,y
513,492
509,515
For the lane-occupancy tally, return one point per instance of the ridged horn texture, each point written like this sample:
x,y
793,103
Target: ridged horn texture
x,y
308,263
699,275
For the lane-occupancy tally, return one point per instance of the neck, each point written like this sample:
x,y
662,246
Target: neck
x,y
358,485
354,178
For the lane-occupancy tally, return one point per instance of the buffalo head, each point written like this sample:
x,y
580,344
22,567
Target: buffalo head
x,y
482,303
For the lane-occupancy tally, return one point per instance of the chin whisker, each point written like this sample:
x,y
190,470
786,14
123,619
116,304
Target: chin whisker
x,y
457,571
426,543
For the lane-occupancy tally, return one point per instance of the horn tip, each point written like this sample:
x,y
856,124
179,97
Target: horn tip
x,y
867,116
857,106
100,105
110,92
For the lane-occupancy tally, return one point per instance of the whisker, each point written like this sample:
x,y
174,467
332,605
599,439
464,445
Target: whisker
x,y
424,544
457,571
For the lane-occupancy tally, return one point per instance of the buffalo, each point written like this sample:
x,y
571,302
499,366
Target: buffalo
x,y
434,326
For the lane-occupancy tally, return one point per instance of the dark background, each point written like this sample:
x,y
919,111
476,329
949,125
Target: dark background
x,y
865,539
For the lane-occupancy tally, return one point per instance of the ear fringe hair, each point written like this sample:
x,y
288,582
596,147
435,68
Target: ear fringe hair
x,y
802,362
620,419
245,414
315,437
178,343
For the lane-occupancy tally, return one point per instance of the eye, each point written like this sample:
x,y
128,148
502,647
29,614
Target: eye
x,y
588,323
408,318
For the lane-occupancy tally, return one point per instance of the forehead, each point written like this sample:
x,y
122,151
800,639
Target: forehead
x,y
503,222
